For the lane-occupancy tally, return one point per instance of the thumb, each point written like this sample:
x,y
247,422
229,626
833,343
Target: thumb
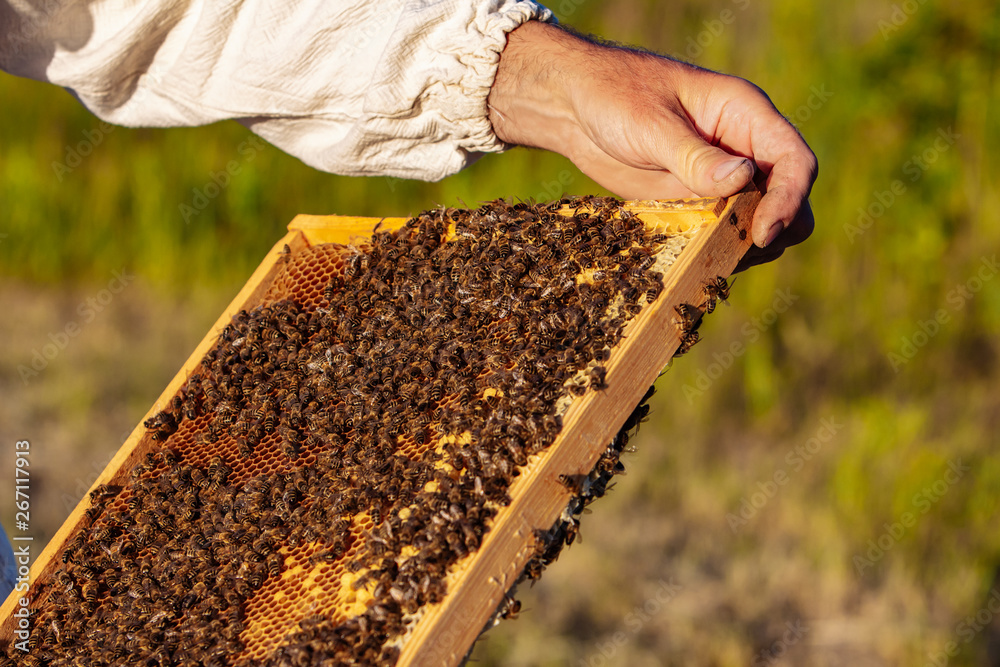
x,y
704,169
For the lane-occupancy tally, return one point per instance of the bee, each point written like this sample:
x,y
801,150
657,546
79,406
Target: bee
x,y
211,390
687,342
244,447
632,308
653,289
76,545
289,448
190,411
273,563
269,422
715,290
509,607
689,316
93,512
571,529
638,416
107,532
573,483
197,478
103,492
331,555
503,247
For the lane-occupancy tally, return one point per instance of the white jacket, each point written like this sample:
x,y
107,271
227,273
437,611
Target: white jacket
x,y
355,87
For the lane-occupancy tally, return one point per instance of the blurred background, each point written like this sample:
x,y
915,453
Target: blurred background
x,y
826,495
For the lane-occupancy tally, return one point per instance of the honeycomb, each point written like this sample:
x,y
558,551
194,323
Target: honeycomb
x,y
349,441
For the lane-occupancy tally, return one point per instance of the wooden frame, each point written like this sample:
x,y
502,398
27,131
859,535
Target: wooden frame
x,y
444,633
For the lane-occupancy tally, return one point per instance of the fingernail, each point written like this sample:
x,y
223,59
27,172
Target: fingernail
x,y
772,233
728,168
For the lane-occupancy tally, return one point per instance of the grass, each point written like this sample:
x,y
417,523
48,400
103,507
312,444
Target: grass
x,y
912,105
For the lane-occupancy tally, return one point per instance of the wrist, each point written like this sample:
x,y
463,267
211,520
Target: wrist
x,y
530,103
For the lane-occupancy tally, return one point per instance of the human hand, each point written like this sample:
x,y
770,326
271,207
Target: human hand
x,y
648,127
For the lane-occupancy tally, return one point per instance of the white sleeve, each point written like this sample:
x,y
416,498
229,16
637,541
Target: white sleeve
x,y
355,87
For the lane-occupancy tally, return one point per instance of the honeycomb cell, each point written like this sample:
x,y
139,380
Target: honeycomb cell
x,y
307,274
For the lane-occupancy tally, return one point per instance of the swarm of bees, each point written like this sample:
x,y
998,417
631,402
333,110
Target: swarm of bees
x,y
337,453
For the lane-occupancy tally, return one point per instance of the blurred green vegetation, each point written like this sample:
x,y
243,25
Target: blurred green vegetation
x,y
898,101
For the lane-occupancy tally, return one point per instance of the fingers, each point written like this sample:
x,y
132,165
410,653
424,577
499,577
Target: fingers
x,y
791,169
785,201
797,231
